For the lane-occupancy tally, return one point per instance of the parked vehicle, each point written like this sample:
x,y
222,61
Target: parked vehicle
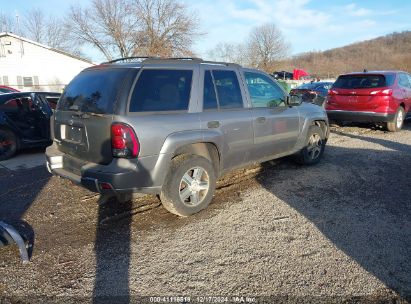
x,y
6,89
314,92
376,96
24,121
173,126
284,75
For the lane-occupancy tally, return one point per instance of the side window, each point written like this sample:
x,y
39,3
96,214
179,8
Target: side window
x,y
409,80
209,97
403,81
161,90
263,91
228,89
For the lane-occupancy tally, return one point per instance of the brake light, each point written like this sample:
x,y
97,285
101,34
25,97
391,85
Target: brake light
x,y
386,92
124,142
332,92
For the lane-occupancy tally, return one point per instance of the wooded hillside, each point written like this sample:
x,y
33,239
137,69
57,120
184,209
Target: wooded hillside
x,y
384,53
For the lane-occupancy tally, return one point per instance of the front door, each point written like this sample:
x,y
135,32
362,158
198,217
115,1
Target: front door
x,y
276,125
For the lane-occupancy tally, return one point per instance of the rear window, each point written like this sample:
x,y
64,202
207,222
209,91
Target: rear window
x,y
162,90
363,81
93,91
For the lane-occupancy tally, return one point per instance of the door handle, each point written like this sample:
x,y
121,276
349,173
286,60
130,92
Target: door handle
x,y
213,124
261,119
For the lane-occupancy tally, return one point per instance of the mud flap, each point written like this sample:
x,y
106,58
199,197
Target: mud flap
x,y
9,235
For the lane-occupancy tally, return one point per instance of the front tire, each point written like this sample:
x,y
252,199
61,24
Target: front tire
x,y
8,144
314,147
396,124
189,185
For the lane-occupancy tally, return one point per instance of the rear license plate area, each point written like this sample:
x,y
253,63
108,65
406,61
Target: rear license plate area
x,y
71,133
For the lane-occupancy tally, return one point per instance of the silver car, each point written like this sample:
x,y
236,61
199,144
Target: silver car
x,y
173,126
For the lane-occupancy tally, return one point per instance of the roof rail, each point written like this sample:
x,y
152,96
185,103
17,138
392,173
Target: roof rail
x,y
131,59
143,58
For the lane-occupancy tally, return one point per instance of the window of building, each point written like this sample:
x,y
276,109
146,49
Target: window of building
x,y
27,81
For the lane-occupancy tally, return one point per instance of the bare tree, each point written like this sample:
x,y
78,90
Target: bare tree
x,y
134,27
266,45
229,52
7,23
34,25
48,30
167,29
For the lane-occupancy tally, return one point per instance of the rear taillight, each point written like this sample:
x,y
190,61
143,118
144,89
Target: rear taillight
x,y
386,92
124,142
332,92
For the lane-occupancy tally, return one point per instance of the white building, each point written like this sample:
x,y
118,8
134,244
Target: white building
x,y
30,66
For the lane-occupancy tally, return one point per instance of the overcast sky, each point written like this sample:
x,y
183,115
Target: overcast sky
x,y
307,25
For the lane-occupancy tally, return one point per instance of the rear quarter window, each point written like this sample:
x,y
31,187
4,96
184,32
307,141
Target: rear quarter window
x,y
364,81
93,91
160,90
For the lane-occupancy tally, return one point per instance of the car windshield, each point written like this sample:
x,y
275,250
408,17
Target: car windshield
x,y
363,81
93,91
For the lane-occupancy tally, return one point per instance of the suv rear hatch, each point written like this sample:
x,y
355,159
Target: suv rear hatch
x,y
85,111
360,92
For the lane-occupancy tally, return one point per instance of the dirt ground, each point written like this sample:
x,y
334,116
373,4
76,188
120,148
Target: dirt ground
x,y
338,231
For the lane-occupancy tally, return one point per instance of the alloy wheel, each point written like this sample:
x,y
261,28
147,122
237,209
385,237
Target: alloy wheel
x,y
194,186
314,146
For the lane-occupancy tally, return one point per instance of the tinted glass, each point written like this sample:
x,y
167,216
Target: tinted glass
x,y
363,81
93,91
228,89
209,97
263,91
162,90
5,90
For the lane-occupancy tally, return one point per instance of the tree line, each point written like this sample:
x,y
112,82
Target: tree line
x,y
124,28
116,28
390,52
168,28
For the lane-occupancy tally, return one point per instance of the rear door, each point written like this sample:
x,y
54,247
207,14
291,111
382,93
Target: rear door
x,y
84,113
276,125
224,111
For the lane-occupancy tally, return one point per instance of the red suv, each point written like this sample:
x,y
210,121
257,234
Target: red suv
x,y
375,96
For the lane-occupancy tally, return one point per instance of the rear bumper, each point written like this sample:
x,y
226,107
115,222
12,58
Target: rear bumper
x,y
355,116
121,175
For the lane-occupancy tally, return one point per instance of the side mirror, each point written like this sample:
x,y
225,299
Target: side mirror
x,y
293,100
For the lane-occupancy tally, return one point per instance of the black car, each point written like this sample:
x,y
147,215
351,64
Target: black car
x,y
314,92
25,121
284,75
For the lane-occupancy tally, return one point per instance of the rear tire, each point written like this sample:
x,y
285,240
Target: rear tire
x,y
396,124
189,185
8,144
314,147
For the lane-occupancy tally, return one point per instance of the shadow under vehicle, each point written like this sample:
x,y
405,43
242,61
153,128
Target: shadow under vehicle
x,y
25,121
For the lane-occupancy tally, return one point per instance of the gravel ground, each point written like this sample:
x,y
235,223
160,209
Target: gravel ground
x,y
338,231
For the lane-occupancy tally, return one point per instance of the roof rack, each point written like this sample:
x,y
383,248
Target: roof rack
x,y
130,59
143,58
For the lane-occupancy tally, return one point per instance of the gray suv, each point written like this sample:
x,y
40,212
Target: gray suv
x,y
172,126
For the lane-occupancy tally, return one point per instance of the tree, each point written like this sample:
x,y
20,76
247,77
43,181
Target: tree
x,y
50,31
35,25
266,45
7,23
166,28
229,52
134,27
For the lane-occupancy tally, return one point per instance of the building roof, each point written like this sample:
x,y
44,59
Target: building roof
x,y
5,34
